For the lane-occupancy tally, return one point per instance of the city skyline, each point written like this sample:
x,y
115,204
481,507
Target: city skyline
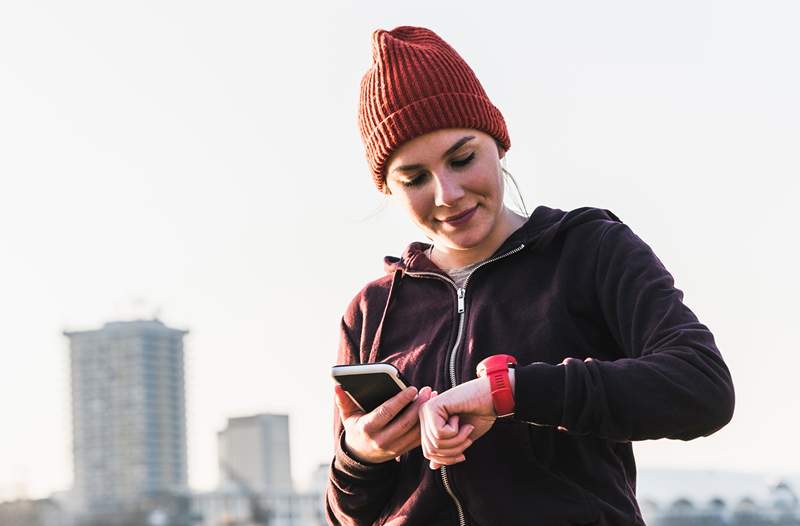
x,y
201,164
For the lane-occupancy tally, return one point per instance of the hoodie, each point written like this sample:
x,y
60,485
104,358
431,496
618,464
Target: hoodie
x,y
607,354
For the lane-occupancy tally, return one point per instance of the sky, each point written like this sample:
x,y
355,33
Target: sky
x,y
200,162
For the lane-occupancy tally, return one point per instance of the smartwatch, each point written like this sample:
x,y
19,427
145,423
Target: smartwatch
x,y
496,368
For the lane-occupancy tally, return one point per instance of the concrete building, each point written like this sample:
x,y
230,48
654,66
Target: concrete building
x,y
235,508
128,414
41,512
254,455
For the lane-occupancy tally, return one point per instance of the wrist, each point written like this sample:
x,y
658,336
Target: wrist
x,y
498,369
353,466
348,450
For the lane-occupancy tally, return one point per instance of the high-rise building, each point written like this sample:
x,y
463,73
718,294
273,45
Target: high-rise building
x,y
128,413
254,454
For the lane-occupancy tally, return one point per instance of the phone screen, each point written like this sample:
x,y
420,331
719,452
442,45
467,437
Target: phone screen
x,y
370,389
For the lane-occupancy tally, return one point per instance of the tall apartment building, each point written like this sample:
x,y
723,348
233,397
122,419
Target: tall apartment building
x,y
254,454
128,413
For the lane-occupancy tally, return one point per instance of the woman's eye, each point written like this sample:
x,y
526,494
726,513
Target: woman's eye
x,y
463,161
414,181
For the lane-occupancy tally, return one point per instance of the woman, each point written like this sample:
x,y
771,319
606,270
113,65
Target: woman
x,y
605,351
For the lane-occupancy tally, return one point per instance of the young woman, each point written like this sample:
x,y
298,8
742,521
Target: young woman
x,y
553,341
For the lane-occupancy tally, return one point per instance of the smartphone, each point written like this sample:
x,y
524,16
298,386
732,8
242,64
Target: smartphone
x,y
369,385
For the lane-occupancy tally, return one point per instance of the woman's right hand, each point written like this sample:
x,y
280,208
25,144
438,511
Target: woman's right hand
x,y
378,436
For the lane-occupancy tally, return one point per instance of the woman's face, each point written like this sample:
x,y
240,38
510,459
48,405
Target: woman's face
x,y
450,182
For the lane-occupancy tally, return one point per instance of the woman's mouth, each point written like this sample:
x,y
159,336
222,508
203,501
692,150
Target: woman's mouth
x,y
460,219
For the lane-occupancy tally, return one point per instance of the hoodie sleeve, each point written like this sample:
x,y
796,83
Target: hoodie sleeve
x,y
670,382
356,492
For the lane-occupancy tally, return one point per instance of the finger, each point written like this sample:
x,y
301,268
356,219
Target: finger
x,y
347,407
453,447
452,424
403,433
411,441
460,438
438,462
454,451
435,464
409,436
404,429
409,417
446,428
384,413
425,430
449,452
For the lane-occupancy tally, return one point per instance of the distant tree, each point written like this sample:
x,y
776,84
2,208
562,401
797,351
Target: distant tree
x,y
682,504
717,504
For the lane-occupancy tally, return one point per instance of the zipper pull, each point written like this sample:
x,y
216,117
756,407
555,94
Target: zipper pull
x,y
461,293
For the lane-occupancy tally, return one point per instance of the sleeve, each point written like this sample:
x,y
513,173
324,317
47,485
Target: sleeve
x,y
671,381
356,492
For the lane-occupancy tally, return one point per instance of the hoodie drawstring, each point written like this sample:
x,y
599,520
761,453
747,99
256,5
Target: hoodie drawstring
x,y
376,342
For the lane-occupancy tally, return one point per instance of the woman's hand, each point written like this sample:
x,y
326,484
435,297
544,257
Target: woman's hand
x,y
452,421
388,431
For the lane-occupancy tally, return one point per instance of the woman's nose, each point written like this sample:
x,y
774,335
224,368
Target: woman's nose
x,y
448,190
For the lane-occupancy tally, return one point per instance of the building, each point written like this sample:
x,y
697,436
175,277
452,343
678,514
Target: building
x,y
234,507
256,478
41,512
128,414
254,455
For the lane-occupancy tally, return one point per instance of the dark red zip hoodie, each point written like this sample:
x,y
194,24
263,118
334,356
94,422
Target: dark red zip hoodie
x,y
607,352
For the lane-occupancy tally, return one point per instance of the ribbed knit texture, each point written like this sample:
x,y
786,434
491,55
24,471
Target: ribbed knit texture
x,y
417,84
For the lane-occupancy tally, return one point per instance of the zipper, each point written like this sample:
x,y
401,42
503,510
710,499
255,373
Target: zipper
x,y
461,293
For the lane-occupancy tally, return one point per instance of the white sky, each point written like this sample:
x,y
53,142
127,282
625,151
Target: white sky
x,y
202,159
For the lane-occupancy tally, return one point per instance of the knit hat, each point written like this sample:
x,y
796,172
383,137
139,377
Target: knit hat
x,y
418,84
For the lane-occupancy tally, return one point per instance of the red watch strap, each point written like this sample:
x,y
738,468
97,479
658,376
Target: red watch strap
x,y
496,368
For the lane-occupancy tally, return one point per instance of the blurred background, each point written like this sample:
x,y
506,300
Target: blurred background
x,y
186,210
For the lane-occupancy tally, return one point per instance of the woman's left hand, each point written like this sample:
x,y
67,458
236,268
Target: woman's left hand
x,y
450,422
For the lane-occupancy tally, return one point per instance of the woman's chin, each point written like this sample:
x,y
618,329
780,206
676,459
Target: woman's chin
x,y
460,243
463,240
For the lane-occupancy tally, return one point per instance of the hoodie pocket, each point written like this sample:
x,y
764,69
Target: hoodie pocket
x,y
542,448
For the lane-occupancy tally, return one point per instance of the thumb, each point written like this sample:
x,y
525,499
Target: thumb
x,y
347,407
452,423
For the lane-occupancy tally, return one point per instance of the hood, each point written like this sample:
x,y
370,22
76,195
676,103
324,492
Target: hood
x,y
540,229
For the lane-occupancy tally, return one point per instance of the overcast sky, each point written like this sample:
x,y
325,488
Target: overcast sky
x,y
200,161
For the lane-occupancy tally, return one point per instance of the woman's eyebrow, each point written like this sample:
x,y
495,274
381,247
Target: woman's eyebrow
x,y
458,144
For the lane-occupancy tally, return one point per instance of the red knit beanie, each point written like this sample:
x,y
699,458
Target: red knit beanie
x,y
418,84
